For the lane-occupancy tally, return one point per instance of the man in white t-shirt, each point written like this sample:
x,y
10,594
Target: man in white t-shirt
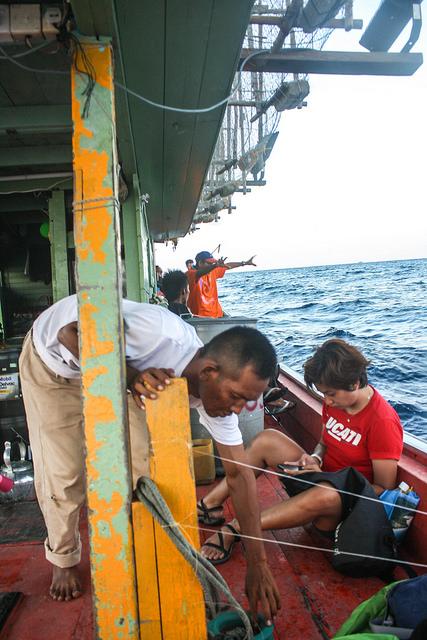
x,y
222,376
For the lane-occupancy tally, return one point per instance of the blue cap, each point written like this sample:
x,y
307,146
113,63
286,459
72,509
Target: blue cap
x,y
204,255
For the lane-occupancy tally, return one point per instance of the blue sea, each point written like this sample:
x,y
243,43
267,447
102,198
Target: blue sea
x,y
381,307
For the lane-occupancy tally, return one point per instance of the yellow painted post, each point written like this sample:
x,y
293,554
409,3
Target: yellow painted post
x,y
169,581
102,359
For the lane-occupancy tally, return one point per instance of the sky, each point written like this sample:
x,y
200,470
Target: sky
x,y
346,181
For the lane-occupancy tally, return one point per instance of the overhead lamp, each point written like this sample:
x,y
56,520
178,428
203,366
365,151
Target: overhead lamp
x,y
222,203
205,217
268,148
257,156
317,12
228,188
205,208
251,157
388,22
225,189
228,164
290,95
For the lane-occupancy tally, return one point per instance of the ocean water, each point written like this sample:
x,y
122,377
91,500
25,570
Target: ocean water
x,y
380,307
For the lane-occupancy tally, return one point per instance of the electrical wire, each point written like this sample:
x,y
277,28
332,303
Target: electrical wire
x,y
6,56
7,193
89,71
181,110
27,52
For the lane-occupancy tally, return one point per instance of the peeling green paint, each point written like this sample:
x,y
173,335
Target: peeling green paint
x,y
104,529
102,353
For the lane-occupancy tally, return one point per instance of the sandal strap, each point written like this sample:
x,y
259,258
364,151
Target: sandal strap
x,y
233,531
218,547
207,510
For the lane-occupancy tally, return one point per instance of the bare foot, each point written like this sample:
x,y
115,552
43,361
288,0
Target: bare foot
x,y
221,548
65,584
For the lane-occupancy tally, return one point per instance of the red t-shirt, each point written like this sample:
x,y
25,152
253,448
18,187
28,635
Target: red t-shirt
x,y
375,433
203,298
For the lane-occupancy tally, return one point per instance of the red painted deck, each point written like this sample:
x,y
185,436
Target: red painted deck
x,y
315,599
36,616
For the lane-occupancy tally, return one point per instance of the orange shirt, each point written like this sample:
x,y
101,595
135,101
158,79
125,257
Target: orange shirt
x,y
203,298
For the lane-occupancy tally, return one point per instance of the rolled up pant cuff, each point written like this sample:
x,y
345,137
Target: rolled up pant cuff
x,y
63,560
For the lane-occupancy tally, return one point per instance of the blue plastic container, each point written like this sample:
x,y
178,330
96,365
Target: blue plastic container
x,y
400,519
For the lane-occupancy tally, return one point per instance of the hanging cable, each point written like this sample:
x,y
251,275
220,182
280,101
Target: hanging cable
x,y
37,190
27,52
6,56
89,71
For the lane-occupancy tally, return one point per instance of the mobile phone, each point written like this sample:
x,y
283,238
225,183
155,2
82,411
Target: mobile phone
x,y
289,467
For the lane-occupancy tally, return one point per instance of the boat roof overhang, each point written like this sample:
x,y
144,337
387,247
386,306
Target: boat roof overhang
x,y
182,53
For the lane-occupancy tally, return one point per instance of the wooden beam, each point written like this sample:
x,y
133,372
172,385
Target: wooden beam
x,y
102,358
334,62
58,246
36,156
135,236
39,118
335,23
171,601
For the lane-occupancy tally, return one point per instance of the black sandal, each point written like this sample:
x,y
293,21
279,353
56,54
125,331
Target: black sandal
x,y
221,547
277,410
206,518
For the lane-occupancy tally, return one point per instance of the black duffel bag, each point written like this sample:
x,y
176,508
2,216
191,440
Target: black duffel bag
x,y
365,529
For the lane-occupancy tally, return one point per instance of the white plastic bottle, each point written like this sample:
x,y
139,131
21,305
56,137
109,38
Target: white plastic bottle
x,y
402,518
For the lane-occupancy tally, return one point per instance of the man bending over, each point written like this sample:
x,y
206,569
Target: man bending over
x,y
222,376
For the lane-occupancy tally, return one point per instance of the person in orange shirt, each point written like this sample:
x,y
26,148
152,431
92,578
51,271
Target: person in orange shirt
x,y
203,298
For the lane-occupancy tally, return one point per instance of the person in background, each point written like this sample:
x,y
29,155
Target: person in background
x,y
203,298
189,264
159,278
360,430
175,287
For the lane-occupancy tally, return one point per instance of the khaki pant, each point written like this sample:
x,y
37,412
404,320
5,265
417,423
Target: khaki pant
x,y
53,406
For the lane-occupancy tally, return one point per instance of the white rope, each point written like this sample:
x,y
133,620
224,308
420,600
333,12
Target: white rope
x,y
107,201
312,548
314,484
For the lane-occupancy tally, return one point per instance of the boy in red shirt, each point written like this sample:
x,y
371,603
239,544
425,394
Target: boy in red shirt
x,y
360,430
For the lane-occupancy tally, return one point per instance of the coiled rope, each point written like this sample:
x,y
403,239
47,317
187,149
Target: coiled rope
x,y
213,584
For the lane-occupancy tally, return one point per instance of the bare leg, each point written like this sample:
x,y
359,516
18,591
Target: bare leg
x,y
66,584
319,505
267,449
